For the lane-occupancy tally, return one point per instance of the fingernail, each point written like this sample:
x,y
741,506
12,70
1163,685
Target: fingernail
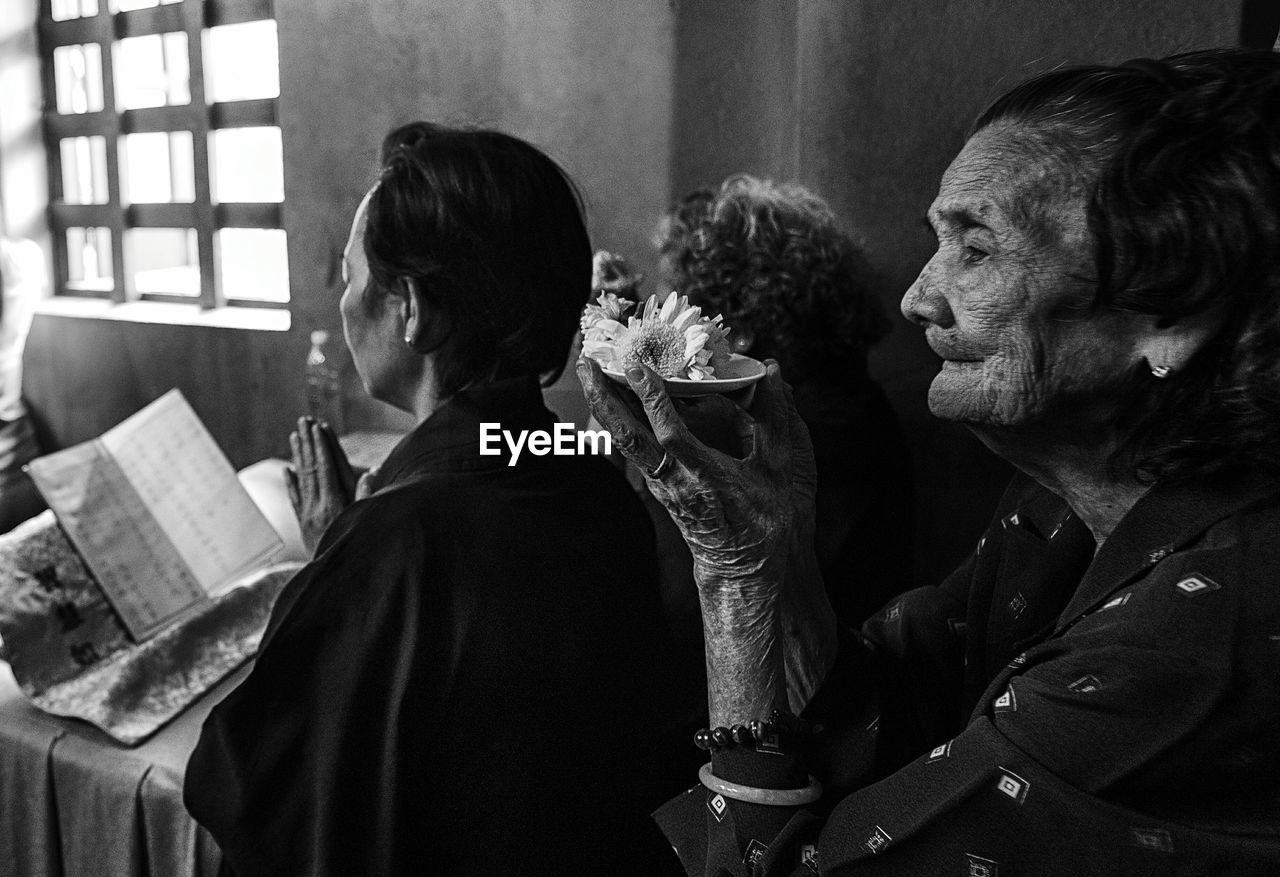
x,y
635,374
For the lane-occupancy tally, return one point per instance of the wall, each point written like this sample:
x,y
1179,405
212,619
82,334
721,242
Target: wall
x,y
864,100
867,102
588,82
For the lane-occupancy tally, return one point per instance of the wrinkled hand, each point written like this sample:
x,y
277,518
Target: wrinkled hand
x,y
748,522
321,481
735,514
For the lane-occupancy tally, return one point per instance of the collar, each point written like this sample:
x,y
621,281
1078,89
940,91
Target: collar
x,y
449,440
1166,519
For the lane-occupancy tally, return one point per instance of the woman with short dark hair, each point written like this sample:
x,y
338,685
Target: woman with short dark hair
x,y
444,688
1096,690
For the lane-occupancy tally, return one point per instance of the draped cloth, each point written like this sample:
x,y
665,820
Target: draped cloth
x,y
78,804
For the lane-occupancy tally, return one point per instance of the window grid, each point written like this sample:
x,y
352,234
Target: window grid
x,y
200,118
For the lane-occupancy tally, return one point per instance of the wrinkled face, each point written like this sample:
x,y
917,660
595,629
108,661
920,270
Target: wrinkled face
x,y
1003,300
372,329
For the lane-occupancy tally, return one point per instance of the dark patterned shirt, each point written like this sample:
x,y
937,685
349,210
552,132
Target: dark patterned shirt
x,y
1043,711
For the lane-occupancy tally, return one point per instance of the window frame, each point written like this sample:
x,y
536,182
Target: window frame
x,y
199,117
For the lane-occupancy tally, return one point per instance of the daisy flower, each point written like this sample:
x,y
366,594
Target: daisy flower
x,y
671,337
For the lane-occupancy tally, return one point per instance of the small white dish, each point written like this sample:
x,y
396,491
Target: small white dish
x,y
741,371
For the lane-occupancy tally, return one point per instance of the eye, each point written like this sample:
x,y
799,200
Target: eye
x,y
973,255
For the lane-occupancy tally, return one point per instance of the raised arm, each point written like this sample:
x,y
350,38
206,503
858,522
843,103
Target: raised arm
x,y
770,633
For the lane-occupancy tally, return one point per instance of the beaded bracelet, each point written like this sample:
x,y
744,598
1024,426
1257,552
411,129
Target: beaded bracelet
x,y
753,795
781,727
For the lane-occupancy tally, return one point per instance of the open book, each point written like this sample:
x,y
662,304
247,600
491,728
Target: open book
x,y
157,513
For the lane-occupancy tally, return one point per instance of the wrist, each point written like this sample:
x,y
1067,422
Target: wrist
x,y
738,575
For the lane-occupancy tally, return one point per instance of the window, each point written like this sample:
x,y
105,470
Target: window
x,y
165,162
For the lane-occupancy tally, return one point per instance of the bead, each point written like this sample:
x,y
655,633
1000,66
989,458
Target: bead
x,y
742,735
721,737
702,739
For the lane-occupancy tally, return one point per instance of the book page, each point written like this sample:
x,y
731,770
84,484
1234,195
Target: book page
x,y
140,571
157,513
186,482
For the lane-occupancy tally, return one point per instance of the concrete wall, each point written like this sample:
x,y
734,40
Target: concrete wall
x,y
588,82
866,101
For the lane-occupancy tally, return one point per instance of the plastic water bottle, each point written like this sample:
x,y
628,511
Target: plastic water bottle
x,y
324,383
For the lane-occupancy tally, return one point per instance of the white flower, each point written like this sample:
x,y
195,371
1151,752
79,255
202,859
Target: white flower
x,y
673,338
601,320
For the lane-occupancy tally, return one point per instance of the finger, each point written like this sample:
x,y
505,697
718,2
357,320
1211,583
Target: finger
x,y
306,450
771,412
328,478
364,487
291,485
320,450
630,433
295,451
341,465
803,467
670,431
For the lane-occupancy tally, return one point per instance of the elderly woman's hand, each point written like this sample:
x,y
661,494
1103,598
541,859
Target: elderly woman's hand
x,y
748,523
321,481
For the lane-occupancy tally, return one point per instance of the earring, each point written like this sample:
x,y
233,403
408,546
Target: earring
x,y
408,339
1160,371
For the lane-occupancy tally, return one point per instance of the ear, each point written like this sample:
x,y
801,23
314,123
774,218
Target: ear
x,y
413,310
1169,346
742,340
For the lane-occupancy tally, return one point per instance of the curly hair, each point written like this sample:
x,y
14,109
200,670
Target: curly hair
x,y
1179,160
492,231
772,259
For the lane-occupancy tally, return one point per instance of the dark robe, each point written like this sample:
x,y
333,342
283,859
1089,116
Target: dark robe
x,y
471,648
1043,712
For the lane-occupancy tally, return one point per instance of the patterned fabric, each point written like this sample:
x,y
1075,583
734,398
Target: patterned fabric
x,y
72,657
1044,711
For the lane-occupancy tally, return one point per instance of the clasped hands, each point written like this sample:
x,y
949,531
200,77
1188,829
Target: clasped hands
x,y
747,517
320,481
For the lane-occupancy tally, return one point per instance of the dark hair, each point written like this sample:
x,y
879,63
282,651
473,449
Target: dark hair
x,y
1179,160
773,260
491,231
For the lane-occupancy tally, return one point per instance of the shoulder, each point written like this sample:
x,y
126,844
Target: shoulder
x,y
1214,598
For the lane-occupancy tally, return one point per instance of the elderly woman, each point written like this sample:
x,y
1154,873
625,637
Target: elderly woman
x,y
460,660
1096,690
772,259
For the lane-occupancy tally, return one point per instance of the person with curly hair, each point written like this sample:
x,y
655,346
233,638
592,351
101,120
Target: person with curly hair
x,y
1096,689
772,258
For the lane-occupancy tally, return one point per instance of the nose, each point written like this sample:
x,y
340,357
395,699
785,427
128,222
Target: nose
x,y
924,304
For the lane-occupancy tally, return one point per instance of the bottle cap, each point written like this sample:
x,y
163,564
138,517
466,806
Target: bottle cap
x,y
319,337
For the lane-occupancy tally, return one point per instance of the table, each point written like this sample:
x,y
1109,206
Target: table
x,y
74,803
